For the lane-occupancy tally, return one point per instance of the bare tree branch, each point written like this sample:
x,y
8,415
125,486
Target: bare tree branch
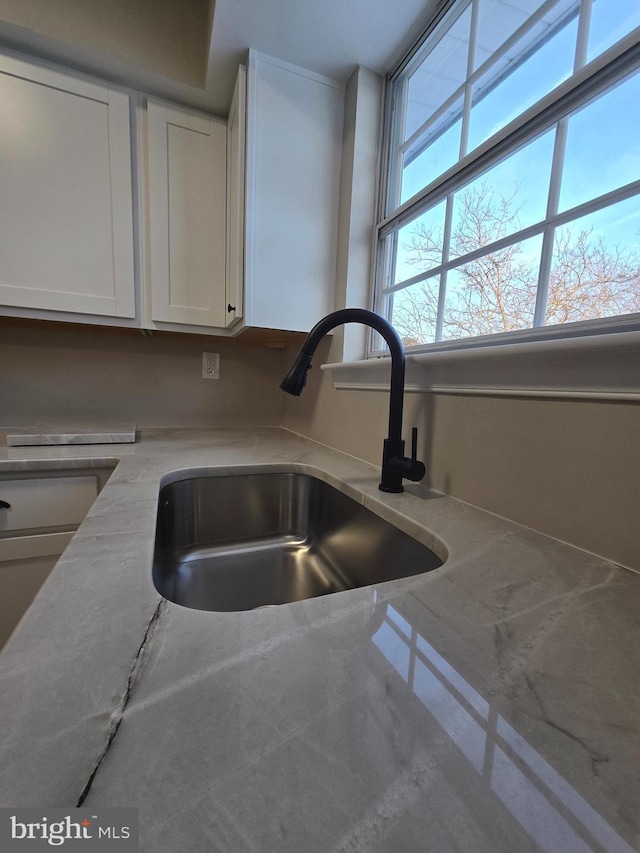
x,y
497,292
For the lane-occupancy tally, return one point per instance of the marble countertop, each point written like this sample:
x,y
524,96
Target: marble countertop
x,y
490,705
39,434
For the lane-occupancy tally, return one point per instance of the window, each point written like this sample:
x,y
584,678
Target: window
x,y
511,202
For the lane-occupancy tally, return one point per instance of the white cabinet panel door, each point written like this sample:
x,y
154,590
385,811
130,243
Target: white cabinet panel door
x,y
187,216
294,151
66,233
46,502
236,144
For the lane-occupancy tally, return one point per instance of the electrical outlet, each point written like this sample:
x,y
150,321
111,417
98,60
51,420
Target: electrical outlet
x,y
210,365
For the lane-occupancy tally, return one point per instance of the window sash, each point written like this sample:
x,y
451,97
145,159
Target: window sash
x,y
608,69
554,221
588,82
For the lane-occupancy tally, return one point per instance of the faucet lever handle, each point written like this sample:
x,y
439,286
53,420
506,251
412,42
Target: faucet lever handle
x,y
412,469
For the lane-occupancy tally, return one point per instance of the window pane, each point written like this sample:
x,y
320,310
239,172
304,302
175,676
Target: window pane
x,y
420,244
446,118
441,153
503,93
443,70
507,198
495,293
497,20
603,150
596,266
415,311
610,21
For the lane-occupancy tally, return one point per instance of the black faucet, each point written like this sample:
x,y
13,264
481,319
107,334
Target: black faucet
x,y
395,465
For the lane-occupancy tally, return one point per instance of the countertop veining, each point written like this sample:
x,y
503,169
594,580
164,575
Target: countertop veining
x,y
489,705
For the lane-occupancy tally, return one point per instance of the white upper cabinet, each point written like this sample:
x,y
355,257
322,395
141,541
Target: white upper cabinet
x,y
236,154
66,234
187,189
235,223
293,161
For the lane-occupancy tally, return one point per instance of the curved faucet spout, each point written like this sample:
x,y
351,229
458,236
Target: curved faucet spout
x,y
296,378
395,465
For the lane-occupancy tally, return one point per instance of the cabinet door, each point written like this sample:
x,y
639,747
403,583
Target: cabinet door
x,y
236,134
66,233
36,524
294,151
186,207
25,564
45,502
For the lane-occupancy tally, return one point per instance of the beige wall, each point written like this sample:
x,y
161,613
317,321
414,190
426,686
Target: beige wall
x,y
570,469
50,374
168,37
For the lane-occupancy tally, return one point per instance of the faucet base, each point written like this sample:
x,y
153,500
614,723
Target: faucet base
x,y
396,466
393,449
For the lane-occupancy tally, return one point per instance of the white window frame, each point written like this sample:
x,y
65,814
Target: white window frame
x,y
588,359
606,70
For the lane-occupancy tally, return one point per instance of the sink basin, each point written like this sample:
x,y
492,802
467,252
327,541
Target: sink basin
x,y
239,542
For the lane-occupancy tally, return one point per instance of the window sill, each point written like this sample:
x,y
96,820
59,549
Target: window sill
x,y
597,367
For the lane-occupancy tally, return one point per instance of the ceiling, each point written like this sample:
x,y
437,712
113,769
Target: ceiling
x,y
329,37
189,51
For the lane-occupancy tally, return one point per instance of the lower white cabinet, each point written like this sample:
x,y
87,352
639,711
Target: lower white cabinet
x,y
187,197
36,526
45,502
25,564
66,233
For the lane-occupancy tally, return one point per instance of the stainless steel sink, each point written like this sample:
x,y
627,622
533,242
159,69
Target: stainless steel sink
x,y
249,540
